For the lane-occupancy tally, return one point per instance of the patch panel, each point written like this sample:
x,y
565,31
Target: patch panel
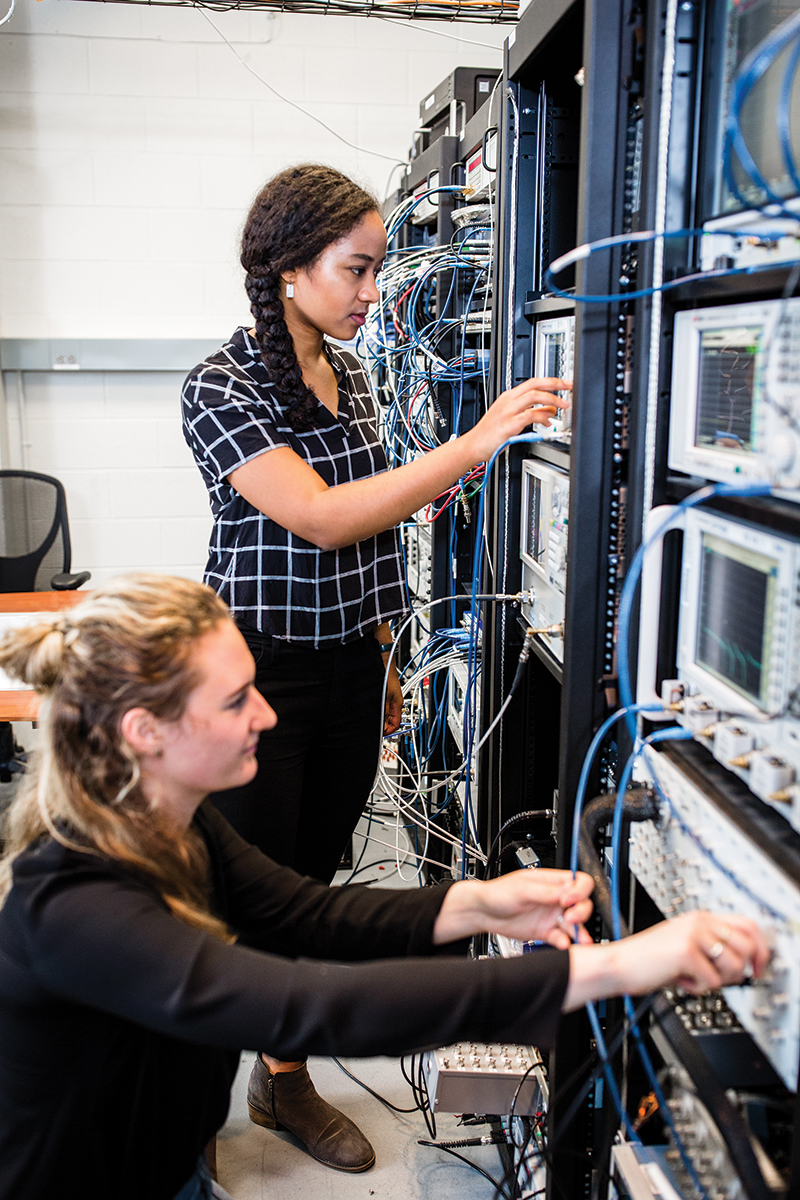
x,y
696,857
702,1140
458,676
417,536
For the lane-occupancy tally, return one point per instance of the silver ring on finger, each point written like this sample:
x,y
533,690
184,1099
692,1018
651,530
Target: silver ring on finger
x,y
716,950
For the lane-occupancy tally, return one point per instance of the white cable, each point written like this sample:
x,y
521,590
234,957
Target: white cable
x,y
434,862
389,180
418,872
440,33
286,100
405,809
161,41
498,717
441,834
8,14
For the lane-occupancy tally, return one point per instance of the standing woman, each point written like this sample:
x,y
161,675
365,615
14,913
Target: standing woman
x,y
305,548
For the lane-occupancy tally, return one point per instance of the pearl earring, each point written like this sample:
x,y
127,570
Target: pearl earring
x,y
289,291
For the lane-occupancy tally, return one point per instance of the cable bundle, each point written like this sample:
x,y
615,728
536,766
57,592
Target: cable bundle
x,y
482,11
418,792
404,334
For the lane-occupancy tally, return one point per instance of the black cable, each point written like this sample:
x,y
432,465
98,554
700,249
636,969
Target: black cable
x,y
427,1111
368,867
640,804
357,865
494,1182
419,1092
512,1112
512,1173
371,1091
487,1139
523,816
408,1078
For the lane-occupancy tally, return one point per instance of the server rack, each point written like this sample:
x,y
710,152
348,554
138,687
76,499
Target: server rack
x,y
563,183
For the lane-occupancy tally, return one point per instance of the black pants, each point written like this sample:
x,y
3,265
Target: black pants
x,y
317,766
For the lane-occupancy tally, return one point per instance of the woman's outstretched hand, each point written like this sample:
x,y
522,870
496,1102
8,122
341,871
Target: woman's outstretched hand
x,y
531,905
697,952
530,403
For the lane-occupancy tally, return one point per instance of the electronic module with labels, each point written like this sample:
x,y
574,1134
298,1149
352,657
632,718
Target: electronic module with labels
x,y
554,355
543,548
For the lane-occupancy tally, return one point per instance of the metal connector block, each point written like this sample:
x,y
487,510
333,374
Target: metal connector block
x,y
479,1078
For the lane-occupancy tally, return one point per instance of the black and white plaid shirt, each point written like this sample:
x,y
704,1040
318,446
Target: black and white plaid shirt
x,y
273,580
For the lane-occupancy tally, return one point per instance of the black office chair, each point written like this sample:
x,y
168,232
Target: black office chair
x,y
35,549
35,556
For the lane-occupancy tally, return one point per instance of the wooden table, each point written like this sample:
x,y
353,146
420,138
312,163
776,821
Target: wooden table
x,y
23,705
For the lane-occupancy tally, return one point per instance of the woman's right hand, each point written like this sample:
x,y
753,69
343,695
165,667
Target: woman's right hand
x,y
288,490
697,951
529,403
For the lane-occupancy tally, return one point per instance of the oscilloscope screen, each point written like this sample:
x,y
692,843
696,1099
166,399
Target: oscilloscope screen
x,y
734,630
727,391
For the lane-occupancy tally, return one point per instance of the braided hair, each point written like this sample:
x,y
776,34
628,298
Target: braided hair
x,y
294,218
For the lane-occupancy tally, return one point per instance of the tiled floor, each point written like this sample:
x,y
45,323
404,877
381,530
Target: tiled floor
x,y
257,1164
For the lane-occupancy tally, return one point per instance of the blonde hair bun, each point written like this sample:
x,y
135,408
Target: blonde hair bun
x,y
35,654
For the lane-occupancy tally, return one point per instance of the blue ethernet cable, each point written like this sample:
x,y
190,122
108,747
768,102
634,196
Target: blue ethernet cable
x,y
660,735
583,779
650,235
783,119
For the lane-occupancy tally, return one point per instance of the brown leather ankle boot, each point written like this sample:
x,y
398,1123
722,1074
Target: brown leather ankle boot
x,y
288,1100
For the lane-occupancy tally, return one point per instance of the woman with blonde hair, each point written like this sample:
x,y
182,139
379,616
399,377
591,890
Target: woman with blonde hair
x,y
143,943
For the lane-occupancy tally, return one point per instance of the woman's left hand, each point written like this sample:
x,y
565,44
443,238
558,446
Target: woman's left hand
x,y
534,905
393,708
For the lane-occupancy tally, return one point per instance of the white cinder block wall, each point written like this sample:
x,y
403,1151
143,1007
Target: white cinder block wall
x,y
132,143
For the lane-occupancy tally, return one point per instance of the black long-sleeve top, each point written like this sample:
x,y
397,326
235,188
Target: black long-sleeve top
x,y
120,1025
